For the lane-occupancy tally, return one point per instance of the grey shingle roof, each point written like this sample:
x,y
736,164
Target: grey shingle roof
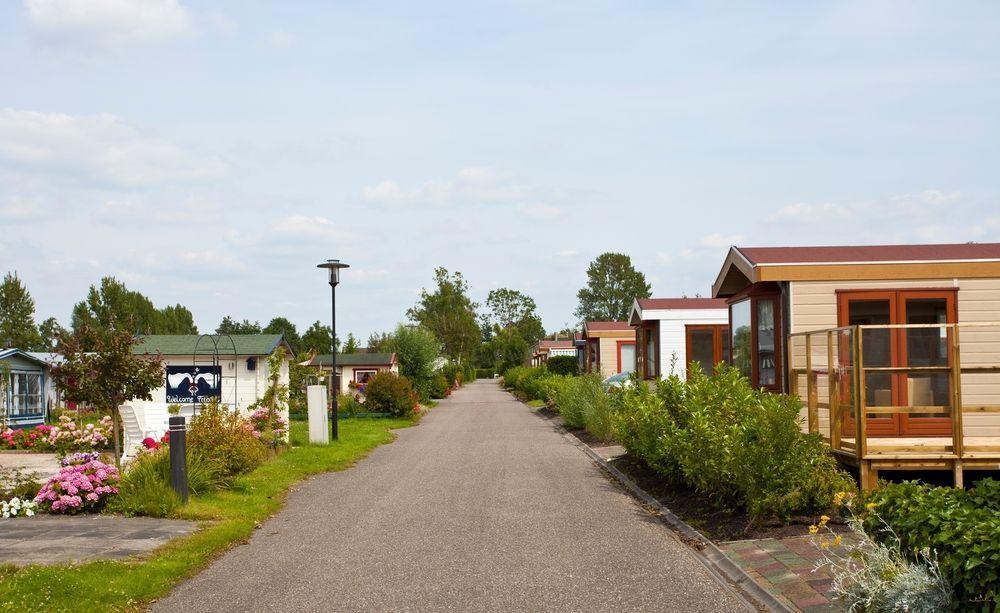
x,y
355,359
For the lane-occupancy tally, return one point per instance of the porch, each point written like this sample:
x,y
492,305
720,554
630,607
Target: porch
x,y
902,396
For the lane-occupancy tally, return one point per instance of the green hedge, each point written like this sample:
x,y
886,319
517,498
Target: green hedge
x,y
583,402
563,365
741,446
961,528
526,381
485,373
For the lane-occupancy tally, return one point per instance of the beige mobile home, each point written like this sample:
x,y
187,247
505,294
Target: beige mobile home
x,y
609,347
895,350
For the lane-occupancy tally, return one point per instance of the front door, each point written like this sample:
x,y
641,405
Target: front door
x,y
893,348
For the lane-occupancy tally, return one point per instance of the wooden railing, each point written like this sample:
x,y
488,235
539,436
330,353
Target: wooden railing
x,y
836,356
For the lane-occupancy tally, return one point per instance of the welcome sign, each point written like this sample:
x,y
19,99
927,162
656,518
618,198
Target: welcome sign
x,y
187,384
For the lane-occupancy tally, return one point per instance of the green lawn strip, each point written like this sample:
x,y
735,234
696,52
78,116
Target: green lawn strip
x,y
229,517
536,403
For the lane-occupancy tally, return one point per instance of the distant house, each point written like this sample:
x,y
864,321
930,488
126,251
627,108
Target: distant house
x,y
546,348
671,333
232,368
22,388
53,398
609,347
355,369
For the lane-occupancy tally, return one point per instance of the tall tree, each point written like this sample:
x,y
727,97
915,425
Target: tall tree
x,y
317,338
450,314
52,333
112,306
232,326
378,342
17,315
612,284
507,348
416,349
280,325
509,308
101,370
351,346
176,319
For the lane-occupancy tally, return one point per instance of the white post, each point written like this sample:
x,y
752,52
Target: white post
x,y
319,428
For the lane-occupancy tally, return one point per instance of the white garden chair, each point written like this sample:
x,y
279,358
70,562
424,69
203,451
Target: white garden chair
x,y
133,433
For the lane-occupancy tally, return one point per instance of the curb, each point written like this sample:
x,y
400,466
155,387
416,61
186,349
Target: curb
x,y
705,550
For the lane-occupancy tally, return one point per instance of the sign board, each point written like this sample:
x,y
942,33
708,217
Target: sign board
x,y
187,384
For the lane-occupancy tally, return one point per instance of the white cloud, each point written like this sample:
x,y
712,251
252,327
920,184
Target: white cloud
x,y
718,241
896,207
280,39
107,24
539,210
19,209
309,228
98,148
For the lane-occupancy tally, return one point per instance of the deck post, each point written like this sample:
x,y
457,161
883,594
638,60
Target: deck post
x,y
811,392
834,393
957,435
861,418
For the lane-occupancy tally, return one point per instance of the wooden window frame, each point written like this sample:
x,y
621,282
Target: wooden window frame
x,y
650,368
619,345
753,297
720,334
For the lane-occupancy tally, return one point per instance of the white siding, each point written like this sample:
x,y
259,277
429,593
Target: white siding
x,y
673,336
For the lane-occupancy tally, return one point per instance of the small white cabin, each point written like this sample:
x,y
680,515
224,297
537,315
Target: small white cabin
x,y
671,333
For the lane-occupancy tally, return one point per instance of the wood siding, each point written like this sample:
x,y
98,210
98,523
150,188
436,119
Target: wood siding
x,y
814,307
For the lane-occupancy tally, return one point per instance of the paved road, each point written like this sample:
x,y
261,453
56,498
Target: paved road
x,y
483,506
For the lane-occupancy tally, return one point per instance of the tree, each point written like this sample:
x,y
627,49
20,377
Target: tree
x,y
508,308
450,314
51,333
351,346
416,349
612,284
17,315
176,319
505,350
231,326
102,371
378,342
280,325
317,338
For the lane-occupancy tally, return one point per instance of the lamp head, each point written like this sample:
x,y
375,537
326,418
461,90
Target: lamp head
x,y
334,267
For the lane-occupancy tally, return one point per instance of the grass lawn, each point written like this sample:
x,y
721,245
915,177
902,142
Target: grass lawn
x,y
229,517
536,403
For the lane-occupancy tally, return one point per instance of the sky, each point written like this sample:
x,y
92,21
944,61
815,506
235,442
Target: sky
x,y
212,153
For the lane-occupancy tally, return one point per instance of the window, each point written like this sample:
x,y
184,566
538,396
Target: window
x,y
755,321
767,373
739,314
361,377
707,345
26,394
626,356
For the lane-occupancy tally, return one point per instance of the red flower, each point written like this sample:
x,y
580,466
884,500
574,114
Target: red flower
x,y
150,443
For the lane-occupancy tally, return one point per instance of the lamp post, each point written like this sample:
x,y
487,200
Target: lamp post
x,y
333,266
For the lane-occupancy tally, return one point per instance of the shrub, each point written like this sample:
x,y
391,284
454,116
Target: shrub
x,y
583,402
484,373
416,349
269,427
15,483
82,484
223,436
143,490
526,381
439,387
391,393
349,405
563,365
962,528
725,439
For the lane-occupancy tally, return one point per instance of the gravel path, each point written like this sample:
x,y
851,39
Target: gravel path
x,y
483,506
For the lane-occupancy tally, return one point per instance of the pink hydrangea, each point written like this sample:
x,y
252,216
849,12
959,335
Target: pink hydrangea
x,y
61,494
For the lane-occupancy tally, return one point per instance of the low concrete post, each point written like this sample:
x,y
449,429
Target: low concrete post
x,y
178,457
319,428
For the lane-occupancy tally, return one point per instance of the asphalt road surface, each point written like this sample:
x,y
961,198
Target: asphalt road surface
x,y
482,507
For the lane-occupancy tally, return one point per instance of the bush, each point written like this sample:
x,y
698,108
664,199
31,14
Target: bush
x,y
388,392
416,349
144,491
16,483
485,373
439,387
451,374
526,381
349,405
962,528
224,437
563,365
583,402
725,439
84,483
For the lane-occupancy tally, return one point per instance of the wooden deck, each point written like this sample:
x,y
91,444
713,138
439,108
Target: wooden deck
x,y
826,369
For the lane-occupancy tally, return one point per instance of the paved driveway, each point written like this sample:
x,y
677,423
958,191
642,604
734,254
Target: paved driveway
x,y
483,506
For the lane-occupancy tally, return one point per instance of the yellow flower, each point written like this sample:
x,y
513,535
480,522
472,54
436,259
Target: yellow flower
x,y
837,540
824,544
823,519
838,498
813,529
871,506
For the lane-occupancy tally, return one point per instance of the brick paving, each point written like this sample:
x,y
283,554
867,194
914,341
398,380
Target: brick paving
x,y
785,567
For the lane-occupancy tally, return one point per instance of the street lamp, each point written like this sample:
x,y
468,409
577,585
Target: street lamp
x,y
333,266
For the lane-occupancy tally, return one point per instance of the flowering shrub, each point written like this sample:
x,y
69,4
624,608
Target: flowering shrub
x,y
15,506
878,576
83,484
223,436
391,393
65,437
268,427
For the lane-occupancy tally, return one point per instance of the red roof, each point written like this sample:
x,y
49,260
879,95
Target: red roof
x,y
547,344
608,325
871,253
651,304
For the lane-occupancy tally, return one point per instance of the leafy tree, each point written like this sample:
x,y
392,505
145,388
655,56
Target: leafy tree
x,y
450,314
280,325
378,342
317,338
101,370
51,333
176,319
232,326
506,308
506,349
612,284
17,315
351,346
416,349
